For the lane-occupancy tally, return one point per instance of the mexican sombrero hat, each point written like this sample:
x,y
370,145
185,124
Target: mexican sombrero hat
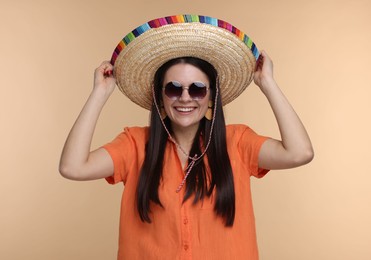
x,y
141,52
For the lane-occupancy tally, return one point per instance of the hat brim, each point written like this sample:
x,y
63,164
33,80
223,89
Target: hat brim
x,y
233,58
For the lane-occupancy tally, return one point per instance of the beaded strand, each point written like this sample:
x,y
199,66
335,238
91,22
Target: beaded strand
x,y
195,158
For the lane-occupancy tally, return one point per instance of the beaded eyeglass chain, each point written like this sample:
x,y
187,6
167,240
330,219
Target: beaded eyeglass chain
x,y
195,158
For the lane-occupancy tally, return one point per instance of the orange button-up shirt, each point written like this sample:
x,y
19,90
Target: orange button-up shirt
x,y
184,230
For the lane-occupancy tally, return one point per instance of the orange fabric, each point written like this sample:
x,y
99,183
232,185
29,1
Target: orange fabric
x,y
185,231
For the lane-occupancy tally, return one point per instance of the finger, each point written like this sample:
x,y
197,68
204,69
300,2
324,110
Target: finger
x,y
266,57
108,73
106,62
259,62
106,69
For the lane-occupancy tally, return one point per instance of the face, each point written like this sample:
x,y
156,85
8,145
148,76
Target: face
x,y
185,112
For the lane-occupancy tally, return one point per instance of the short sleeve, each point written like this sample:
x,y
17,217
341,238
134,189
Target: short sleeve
x,y
126,151
249,145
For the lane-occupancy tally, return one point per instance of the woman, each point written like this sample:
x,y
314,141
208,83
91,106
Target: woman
x,y
187,177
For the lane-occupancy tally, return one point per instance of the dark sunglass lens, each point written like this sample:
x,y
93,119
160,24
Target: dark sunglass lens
x,y
173,89
197,90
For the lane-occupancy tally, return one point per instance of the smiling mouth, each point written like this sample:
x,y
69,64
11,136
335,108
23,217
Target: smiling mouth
x,y
184,109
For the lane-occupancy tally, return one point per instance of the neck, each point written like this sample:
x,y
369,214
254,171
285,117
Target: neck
x,y
185,136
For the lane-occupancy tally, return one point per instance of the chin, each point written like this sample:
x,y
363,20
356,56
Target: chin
x,y
186,125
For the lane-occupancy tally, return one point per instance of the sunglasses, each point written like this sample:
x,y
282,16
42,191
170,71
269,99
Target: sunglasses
x,y
174,90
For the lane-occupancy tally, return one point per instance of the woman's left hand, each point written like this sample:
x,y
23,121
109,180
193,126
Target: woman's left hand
x,y
263,75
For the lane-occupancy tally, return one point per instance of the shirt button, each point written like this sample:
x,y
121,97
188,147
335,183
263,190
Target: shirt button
x,y
185,247
185,221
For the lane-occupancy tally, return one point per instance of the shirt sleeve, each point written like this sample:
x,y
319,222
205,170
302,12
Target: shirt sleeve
x,y
126,150
249,146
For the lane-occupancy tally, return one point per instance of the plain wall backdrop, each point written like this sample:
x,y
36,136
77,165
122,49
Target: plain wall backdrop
x,y
321,53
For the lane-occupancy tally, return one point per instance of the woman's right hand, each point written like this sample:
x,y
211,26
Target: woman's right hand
x,y
103,78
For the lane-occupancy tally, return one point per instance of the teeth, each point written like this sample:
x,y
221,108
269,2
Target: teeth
x,y
184,109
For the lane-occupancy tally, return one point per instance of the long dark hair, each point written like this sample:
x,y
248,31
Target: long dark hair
x,y
198,182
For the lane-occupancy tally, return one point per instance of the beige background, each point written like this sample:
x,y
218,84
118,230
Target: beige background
x,y
322,57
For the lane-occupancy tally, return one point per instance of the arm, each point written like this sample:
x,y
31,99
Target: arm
x,y
295,148
77,161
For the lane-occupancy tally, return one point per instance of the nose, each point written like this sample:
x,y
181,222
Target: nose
x,y
185,97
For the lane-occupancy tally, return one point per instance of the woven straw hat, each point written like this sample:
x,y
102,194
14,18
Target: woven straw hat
x,y
141,52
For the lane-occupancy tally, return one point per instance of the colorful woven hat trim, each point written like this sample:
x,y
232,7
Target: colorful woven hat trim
x,y
156,23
